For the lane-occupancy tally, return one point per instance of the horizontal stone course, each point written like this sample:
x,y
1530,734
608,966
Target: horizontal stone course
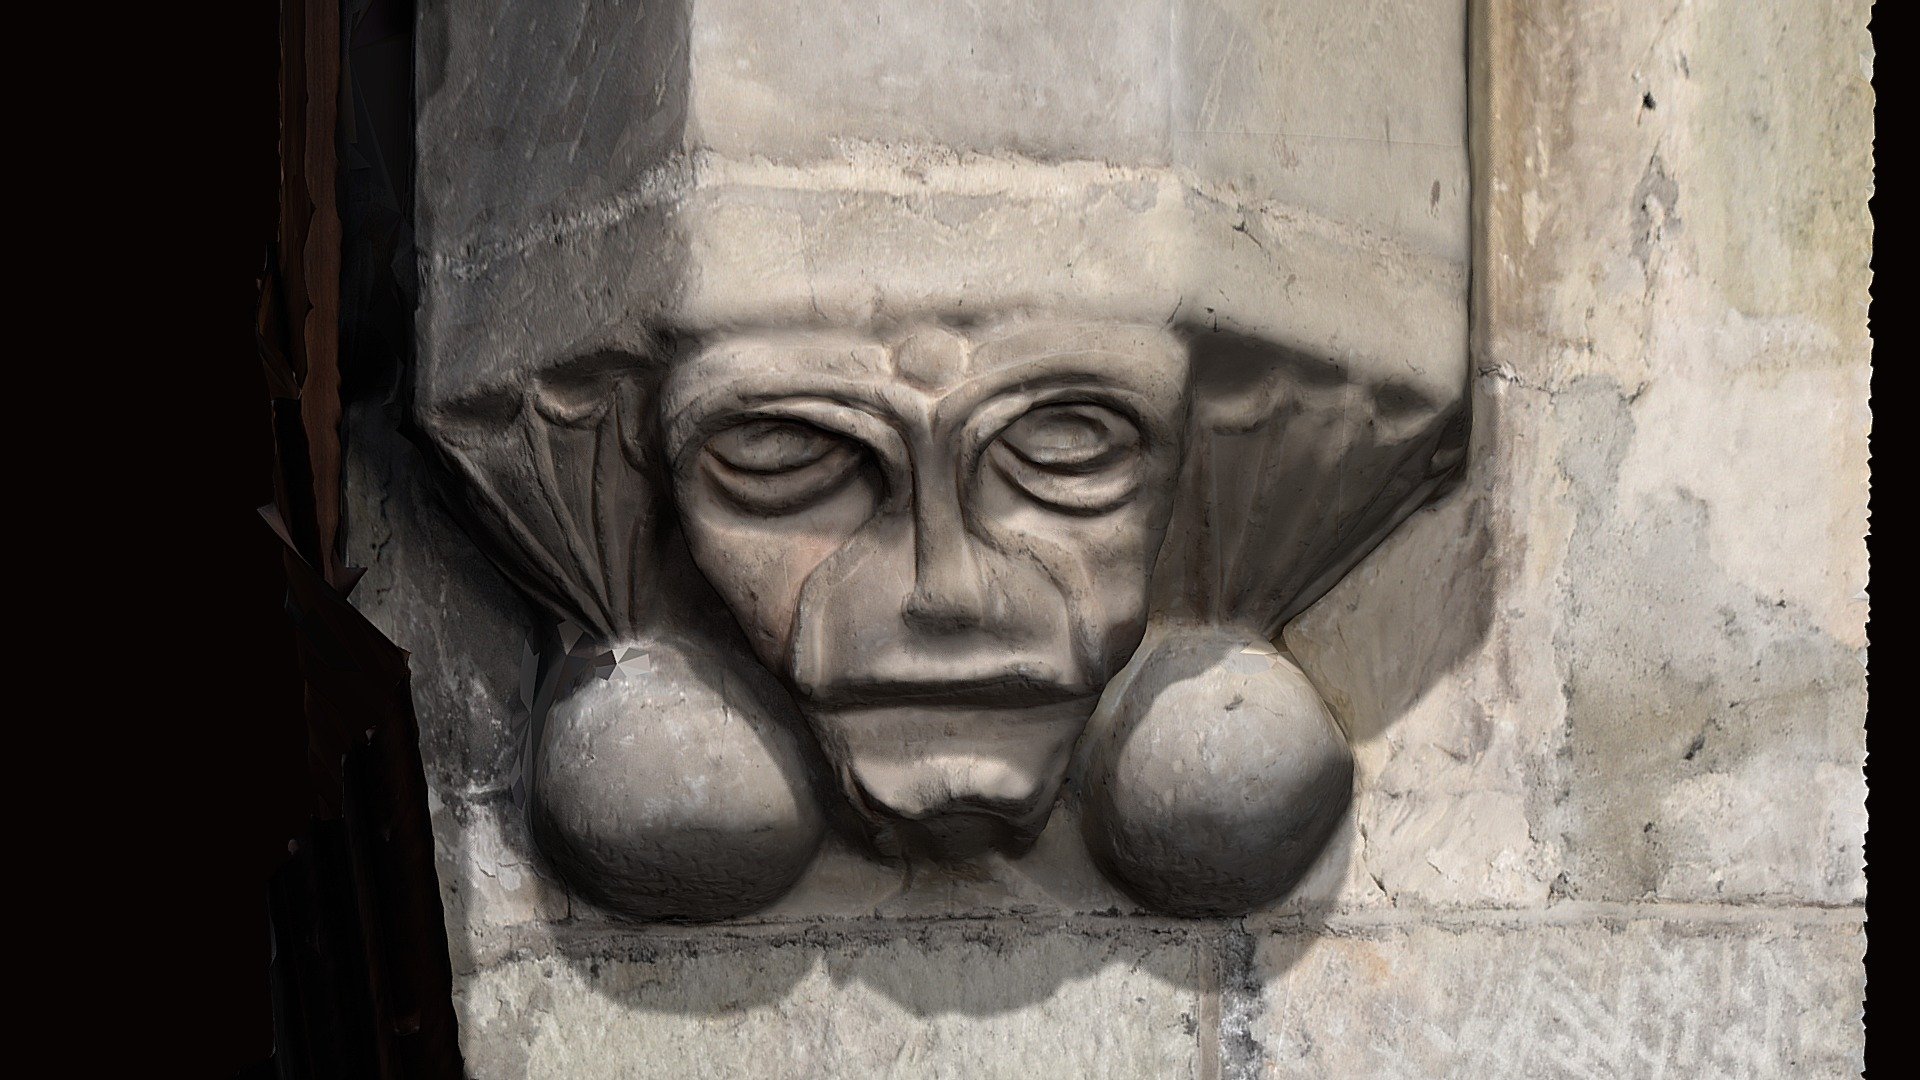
x,y
1581,990
932,1001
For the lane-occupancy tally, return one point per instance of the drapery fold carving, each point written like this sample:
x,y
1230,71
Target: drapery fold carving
x,y
564,479
1295,469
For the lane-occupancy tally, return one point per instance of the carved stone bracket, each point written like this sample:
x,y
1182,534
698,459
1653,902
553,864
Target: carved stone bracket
x,y
931,413
911,567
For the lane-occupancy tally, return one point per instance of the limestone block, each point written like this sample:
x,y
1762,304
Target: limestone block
x,y
1037,79
1619,998
490,877
1691,491
935,1002
1627,661
1363,95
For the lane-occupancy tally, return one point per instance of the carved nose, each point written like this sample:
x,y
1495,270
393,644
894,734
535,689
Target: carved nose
x,y
950,588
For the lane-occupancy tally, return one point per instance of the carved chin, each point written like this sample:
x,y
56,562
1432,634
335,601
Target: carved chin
x,y
952,782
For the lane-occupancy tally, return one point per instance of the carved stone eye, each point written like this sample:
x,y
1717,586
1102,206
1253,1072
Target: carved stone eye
x,y
772,446
776,466
1078,457
1071,438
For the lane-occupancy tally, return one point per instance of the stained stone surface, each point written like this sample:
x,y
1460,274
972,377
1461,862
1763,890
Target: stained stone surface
x,y
941,1002
1604,699
1646,996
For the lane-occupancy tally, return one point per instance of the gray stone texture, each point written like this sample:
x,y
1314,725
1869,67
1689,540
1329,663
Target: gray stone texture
x,y
1587,993
940,1001
1605,698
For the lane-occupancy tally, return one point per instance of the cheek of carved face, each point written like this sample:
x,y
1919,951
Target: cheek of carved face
x,y
769,501
1001,566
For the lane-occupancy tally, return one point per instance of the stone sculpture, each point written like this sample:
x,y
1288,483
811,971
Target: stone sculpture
x,y
896,485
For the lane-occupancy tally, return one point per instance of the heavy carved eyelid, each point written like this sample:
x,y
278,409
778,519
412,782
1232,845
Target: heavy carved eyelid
x,y
773,446
787,491
1072,455
1094,491
691,431
1071,436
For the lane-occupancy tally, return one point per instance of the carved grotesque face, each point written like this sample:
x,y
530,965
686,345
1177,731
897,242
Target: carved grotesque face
x,y
942,539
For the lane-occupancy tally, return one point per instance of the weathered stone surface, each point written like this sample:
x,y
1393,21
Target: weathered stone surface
x,y
944,1002
1626,662
1699,516
499,156
1036,79
490,876
609,95
698,162
1622,663
431,591
1410,650
1629,998
1395,137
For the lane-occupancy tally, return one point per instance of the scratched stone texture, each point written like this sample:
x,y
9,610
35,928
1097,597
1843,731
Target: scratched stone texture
x,y
1606,697
1649,996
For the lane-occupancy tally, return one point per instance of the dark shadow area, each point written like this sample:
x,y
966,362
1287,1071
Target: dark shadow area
x,y
350,956
229,648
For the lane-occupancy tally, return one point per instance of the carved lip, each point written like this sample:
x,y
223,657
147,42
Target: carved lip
x,y
999,691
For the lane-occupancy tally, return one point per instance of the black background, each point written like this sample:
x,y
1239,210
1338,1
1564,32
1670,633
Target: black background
x,y
252,790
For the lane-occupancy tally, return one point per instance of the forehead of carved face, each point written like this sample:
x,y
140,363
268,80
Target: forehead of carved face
x,y
949,516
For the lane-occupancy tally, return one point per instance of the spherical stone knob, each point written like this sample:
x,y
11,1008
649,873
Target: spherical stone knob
x,y
675,788
1214,774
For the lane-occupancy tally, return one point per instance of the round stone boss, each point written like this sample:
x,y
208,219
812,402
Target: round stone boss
x,y
921,410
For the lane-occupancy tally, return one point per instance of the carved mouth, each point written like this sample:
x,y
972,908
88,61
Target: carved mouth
x,y
950,781
1011,690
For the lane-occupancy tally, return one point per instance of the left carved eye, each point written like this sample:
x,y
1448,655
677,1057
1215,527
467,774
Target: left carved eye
x,y
775,466
1076,456
772,446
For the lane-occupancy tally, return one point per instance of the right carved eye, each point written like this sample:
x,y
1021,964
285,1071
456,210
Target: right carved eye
x,y
1075,457
776,466
1071,438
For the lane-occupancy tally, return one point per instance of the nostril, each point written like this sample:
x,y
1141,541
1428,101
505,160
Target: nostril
x,y
949,591
925,616
938,619
944,609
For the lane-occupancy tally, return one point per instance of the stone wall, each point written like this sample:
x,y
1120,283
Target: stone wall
x,y
1606,697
